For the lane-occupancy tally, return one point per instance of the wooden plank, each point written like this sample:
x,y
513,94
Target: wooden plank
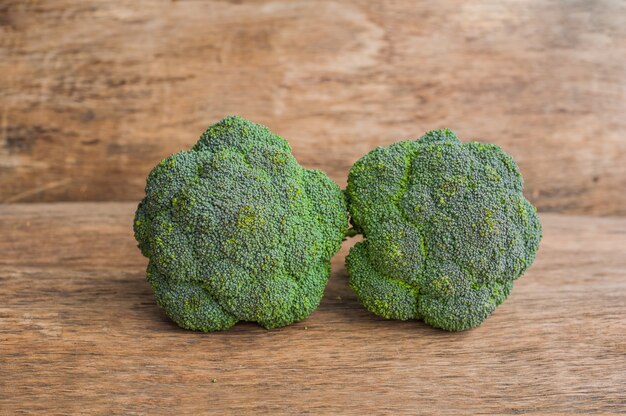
x,y
93,94
80,334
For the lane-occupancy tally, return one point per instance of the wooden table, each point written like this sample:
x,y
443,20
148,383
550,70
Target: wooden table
x,y
80,333
94,93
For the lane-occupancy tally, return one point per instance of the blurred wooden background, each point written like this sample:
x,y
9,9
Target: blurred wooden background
x,y
94,93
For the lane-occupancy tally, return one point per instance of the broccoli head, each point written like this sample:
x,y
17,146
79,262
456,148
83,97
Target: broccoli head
x,y
446,230
235,229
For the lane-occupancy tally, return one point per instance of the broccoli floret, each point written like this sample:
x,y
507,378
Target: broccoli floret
x,y
236,230
446,230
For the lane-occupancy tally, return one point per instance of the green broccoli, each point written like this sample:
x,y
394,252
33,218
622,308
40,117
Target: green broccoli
x,y
236,230
446,230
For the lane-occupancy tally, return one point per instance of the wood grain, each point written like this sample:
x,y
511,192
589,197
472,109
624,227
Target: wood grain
x,y
80,333
93,93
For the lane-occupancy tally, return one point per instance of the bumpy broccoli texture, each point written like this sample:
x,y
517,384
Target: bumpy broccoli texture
x,y
236,230
446,230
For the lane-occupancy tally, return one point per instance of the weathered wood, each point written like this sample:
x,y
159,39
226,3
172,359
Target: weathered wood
x,y
94,93
80,333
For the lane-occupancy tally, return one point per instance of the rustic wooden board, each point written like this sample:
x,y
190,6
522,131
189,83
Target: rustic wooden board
x,y
93,93
80,334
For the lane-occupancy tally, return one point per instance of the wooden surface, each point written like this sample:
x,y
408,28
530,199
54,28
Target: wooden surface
x,y
95,93
80,333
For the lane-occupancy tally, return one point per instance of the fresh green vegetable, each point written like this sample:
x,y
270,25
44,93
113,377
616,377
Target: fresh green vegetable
x,y
235,229
446,230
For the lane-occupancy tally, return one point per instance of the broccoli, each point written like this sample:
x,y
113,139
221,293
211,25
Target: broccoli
x,y
446,230
236,230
